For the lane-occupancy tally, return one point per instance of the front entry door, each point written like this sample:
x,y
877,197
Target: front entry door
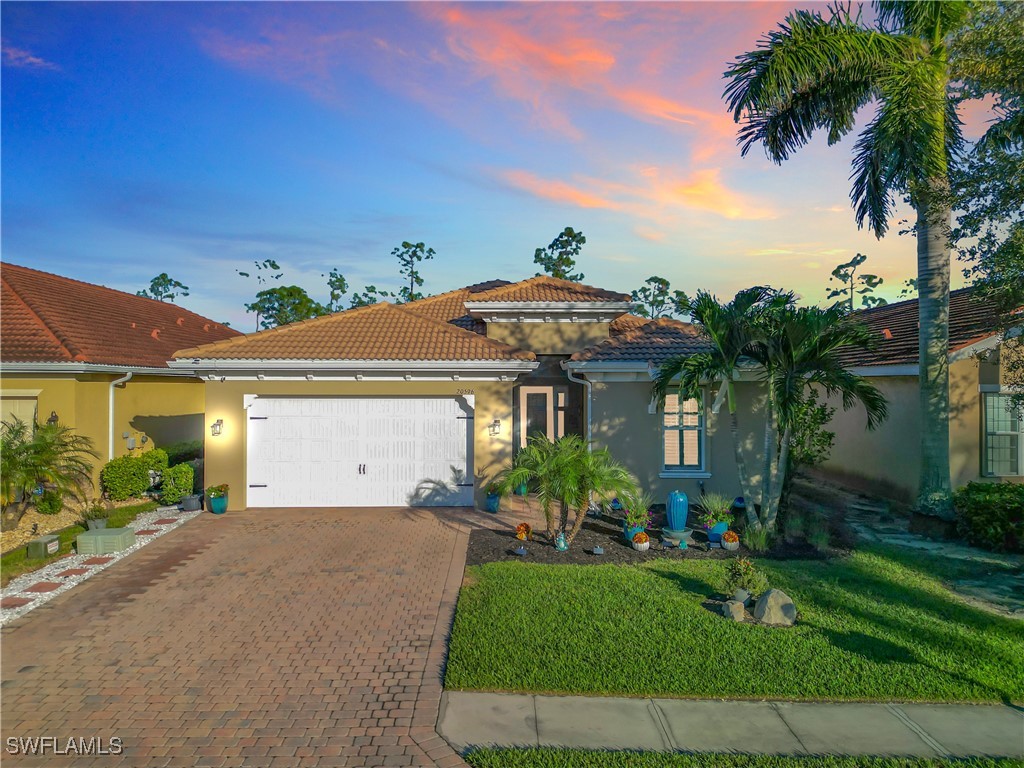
x,y
541,411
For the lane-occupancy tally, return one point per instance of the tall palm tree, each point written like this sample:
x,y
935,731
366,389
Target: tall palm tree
x,y
50,454
815,72
730,328
566,476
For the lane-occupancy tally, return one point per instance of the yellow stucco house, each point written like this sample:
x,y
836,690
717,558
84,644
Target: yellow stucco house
x,y
986,439
95,359
423,403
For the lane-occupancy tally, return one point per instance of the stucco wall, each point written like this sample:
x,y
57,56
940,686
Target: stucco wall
x,y
621,423
549,338
165,409
226,453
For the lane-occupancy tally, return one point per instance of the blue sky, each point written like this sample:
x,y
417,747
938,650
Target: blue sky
x,y
196,138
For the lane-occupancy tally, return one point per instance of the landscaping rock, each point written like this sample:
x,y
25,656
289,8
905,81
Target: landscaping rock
x,y
742,596
775,607
733,609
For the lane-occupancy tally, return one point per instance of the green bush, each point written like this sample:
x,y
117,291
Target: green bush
x,y
50,503
177,483
125,477
155,459
185,451
991,515
743,574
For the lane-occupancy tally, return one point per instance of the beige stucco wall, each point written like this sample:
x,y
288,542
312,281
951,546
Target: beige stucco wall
x,y
622,424
226,453
549,338
164,409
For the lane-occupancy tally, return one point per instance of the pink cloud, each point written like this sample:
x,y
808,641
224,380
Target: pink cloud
x,y
22,59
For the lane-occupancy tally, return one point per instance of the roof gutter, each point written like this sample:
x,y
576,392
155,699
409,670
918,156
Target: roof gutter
x,y
110,412
587,385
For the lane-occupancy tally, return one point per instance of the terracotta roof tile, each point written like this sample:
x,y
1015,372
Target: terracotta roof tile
x,y
546,288
379,332
47,318
653,342
896,328
625,323
450,307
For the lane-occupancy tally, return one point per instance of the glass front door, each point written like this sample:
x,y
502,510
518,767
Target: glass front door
x,y
541,411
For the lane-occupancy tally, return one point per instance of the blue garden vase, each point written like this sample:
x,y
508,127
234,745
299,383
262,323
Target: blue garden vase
x,y
521,489
715,533
493,502
677,510
219,505
629,531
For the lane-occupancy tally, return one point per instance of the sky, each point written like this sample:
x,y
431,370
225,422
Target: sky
x,y
198,138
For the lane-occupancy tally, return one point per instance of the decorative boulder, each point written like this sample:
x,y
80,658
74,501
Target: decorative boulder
x,y
775,607
742,595
733,609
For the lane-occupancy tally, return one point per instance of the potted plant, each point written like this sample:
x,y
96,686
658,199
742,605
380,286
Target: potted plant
x,y
524,532
636,505
217,496
96,515
716,514
191,503
493,498
641,542
730,541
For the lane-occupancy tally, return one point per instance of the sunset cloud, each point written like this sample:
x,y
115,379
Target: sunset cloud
x,y
22,59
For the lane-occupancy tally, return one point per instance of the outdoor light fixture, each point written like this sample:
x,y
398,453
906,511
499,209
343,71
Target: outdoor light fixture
x,y
216,427
53,418
494,428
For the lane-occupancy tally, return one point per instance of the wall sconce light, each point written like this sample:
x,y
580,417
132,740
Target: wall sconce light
x,y
217,427
53,418
494,428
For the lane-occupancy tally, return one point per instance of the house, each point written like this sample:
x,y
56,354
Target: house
x,y
425,402
95,359
986,440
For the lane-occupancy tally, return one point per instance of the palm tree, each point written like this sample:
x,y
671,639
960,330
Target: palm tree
x,y
797,349
731,330
50,454
566,476
815,73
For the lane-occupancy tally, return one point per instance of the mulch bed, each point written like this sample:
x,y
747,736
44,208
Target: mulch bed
x,y
488,546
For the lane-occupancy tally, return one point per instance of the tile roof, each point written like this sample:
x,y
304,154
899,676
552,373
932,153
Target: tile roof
x,y
653,342
545,288
450,307
47,318
971,319
625,323
381,331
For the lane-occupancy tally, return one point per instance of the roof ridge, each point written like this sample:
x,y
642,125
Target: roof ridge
x,y
906,302
555,282
469,288
456,330
63,341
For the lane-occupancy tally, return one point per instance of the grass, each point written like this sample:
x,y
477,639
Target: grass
x,y
15,564
578,758
877,625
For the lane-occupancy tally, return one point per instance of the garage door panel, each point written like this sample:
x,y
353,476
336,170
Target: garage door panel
x,y
308,451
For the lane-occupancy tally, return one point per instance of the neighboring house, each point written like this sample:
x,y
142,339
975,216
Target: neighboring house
x,y
986,440
95,359
424,403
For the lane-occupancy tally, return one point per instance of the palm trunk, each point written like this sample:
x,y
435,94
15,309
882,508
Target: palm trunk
x,y
770,438
12,514
741,466
778,479
581,515
934,496
563,517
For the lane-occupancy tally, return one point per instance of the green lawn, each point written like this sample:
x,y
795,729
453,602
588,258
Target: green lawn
x,y
576,758
877,625
14,564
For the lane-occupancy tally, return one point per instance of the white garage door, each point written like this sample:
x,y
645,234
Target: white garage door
x,y
355,451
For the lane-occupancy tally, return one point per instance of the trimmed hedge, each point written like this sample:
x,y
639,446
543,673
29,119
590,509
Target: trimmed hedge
x,y
50,503
991,515
125,477
177,483
155,459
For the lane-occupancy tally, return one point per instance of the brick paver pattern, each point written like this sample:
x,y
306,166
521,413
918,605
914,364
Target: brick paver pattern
x,y
263,638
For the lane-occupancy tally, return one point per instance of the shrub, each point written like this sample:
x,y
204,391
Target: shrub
x,y
50,503
756,540
715,508
186,450
97,510
819,535
155,460
177,483
743,574
125,477
991,515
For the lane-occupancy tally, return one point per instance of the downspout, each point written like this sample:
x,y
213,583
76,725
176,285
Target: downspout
x,y
586,385
110,413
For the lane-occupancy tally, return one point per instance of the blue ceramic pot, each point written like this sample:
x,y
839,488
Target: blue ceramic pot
x,y
715,533
521,489
219,505
629,531
493,502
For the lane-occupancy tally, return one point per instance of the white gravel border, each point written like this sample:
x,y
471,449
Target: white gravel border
x,y
17,586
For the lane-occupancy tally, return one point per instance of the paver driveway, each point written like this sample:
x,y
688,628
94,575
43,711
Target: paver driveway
x,y
285,637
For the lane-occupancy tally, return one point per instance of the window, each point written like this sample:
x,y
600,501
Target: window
x,y
683,435
1003,452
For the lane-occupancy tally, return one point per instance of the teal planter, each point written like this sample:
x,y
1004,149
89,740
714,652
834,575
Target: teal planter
x,y
493,503
219,505
715,533
521,489
629,531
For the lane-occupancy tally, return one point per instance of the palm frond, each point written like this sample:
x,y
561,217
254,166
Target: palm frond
x,y
1006,134
927,19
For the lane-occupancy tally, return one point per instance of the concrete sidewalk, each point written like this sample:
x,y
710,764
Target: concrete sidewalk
x,y
784,728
